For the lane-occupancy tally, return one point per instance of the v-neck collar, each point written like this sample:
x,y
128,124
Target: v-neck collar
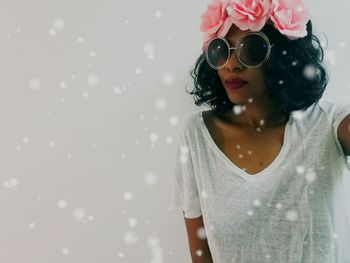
x,y
265,172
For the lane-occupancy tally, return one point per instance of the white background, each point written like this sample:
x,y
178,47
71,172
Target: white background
x,y
92,99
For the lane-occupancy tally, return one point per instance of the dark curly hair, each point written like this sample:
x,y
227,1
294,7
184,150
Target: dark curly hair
x,y
287,85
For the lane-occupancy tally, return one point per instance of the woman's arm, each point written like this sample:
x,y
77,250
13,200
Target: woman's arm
x,y
344,134
199,248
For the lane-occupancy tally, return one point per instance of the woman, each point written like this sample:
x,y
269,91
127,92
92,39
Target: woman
x,y
259,177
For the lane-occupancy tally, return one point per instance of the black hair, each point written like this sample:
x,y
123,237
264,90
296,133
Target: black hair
x,y
284,73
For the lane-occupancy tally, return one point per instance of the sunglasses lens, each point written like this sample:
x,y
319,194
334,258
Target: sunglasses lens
x,y
253,50
217,52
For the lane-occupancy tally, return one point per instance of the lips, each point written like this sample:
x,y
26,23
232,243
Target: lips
x,y
235,83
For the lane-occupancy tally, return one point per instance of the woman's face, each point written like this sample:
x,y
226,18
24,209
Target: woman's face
x,y
254,88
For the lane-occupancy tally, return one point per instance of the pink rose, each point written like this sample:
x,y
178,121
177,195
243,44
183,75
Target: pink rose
x,y
215,21
249,14
289,17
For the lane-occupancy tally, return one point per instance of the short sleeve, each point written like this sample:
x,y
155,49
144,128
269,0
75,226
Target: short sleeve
x,y
184,187
340,110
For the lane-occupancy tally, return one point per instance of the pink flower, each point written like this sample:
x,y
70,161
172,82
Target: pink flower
x,y
249,14
215,21
289,17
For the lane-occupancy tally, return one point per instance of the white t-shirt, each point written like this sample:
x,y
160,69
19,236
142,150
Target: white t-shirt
x,y
293,211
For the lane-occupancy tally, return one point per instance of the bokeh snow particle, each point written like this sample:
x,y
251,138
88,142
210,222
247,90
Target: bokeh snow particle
x,y
310,176
79,213
63,85
133,221
92,80
158,14
342,44
173,120
128,196
160,104
62,204
300,169
80,39
150,179
138,71
297,114
201,233
34,84
32,225
153,137
168,78
130,238
291,215
330,56
59,24
237,109
117,90
149,49
309,72
65,251
257,202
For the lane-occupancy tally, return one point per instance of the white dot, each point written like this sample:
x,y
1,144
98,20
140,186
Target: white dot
x,y
92,80
138,70
149,48
80,39
168,78
79,213
63,85
309,72
256,202
300,169
291,215
130,238
310,176
201,233
32,225
52,32
237,109
59,24
132,221
52,144
159,14
150,179
173,120
278,205
121,255
153,137
204,194
160,104
128,196
117,90
342,44
297,114
13,182
34,84
65,251
62,204
199,252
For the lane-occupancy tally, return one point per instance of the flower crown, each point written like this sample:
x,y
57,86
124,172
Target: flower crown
x,y
288,16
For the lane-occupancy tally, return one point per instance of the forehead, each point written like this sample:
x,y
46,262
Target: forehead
x,y
234,34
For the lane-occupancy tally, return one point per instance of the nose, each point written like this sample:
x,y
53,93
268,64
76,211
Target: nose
x,y
233,63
